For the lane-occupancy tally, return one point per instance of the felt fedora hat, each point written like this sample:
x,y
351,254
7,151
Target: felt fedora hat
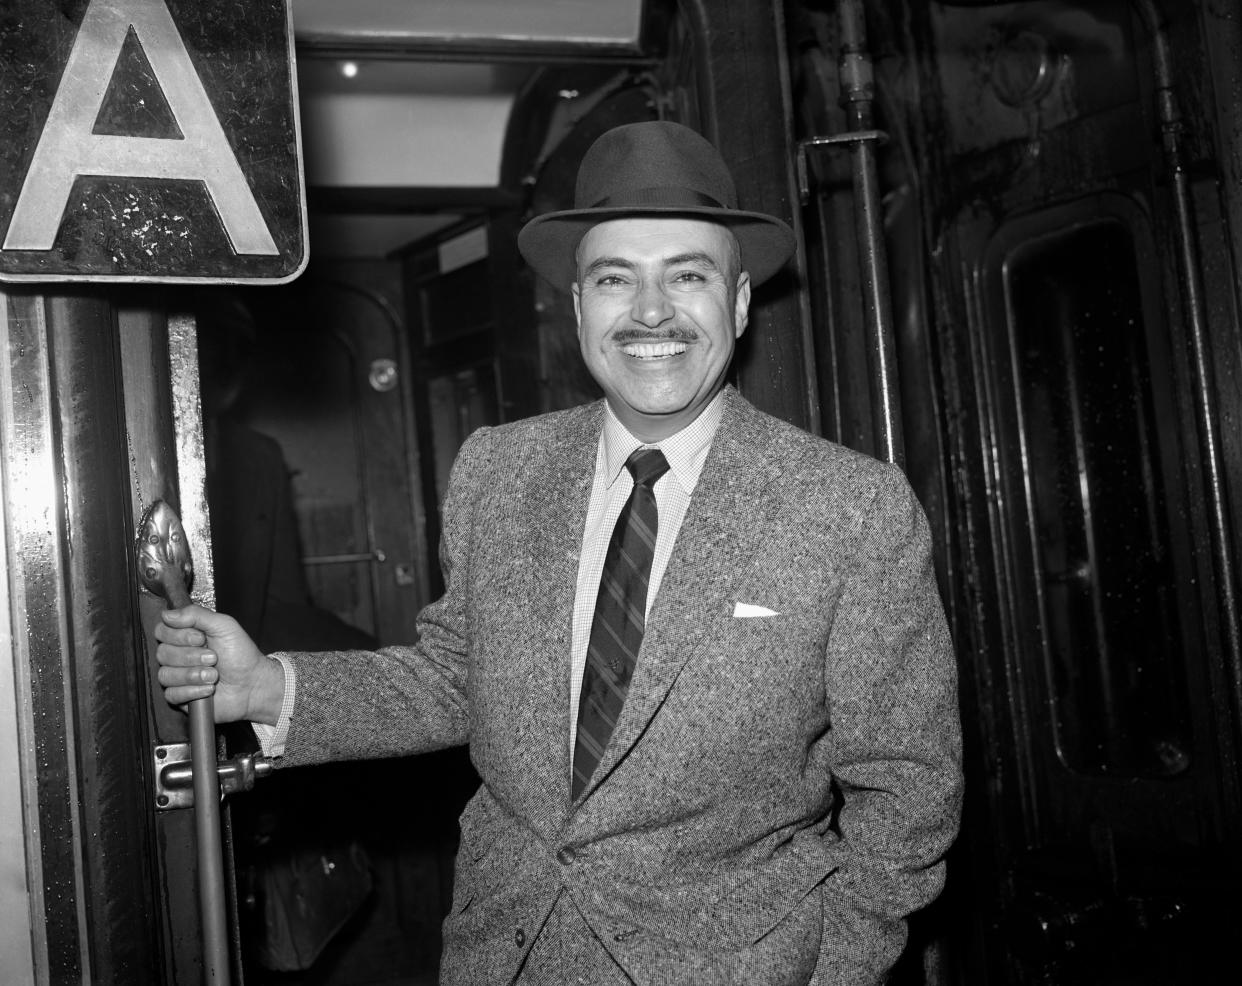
x,y
652,169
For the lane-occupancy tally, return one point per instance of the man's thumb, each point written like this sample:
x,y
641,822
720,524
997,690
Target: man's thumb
x,y
192,616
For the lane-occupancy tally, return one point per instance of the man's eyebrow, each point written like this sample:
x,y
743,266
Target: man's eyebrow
x,y
697,257
601,262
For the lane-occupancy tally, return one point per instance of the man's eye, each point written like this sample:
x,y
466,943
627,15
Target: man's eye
x,y
688,276
609,280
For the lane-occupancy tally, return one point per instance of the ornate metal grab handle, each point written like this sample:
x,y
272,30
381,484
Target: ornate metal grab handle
x,y
164,563
166,569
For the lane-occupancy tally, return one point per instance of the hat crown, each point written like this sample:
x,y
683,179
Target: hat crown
x,y
656,168
653,163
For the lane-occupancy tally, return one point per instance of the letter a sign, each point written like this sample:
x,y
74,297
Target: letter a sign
x,y
149,140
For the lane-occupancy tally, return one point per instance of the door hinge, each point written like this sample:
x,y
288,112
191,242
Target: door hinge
x,y
174,775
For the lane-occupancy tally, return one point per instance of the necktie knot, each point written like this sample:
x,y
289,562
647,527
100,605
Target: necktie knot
x,y
646,465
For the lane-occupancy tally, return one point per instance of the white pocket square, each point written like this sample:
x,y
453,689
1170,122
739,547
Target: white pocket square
x,y
747,609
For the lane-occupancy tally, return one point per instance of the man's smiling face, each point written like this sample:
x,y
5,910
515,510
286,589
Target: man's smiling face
x,y
660,303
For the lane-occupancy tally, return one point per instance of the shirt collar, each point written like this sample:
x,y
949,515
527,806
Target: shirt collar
x,y
686,451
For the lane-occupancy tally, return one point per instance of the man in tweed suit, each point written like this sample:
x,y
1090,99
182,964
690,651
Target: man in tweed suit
x,y
780,781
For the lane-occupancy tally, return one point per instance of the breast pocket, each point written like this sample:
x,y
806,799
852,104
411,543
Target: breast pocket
x,y
755,686
779,652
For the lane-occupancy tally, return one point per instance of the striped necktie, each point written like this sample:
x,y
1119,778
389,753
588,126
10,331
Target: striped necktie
x,y
620,616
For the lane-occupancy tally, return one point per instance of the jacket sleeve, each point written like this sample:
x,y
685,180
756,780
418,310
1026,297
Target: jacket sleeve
x,y
895,741
404,699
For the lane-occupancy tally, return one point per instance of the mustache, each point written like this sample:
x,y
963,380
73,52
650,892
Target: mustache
x,y
674,333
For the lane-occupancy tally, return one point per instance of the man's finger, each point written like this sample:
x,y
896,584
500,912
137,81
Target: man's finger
x,y
177,679
187,637
170,655
183,694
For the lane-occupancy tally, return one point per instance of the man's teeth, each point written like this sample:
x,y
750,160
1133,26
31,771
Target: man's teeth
x,y
653,350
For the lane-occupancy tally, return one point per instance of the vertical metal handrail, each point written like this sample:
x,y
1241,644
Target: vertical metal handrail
x,y
858,92
1206,409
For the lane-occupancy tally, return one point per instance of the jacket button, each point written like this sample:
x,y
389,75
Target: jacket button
x,y
565,856
519,937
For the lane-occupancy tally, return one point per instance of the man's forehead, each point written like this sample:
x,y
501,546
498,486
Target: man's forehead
x,y
663,236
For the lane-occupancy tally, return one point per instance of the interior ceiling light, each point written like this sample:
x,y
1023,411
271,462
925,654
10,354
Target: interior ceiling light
x,y
349,69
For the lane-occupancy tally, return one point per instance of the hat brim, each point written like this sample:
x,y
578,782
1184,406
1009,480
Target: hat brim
x,y
548,242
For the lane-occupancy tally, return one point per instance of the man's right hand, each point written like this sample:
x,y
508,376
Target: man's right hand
x,y
202,653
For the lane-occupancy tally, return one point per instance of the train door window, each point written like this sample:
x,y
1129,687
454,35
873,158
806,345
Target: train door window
x,y
1091,400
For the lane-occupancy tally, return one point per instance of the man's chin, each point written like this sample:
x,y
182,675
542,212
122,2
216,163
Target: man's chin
x,y
655,420
659,410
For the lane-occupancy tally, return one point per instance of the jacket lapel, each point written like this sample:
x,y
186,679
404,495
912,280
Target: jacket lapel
x,y
721,529
556,485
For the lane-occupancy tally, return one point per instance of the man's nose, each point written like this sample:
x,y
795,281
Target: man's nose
x,y
651,305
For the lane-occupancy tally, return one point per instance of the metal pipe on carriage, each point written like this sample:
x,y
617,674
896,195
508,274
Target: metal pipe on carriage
x,y
858,91
1206,404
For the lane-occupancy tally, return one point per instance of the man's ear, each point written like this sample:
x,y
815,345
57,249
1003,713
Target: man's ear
x,y
741,305
577,293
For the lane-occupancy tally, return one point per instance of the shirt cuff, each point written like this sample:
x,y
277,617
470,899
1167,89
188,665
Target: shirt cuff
x,y
272,738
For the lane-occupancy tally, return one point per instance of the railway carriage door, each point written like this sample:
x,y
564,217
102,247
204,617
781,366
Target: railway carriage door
x,y
1117,828
146,143
1083,354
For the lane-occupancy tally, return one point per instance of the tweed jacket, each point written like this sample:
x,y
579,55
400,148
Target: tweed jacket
x,y
779,790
